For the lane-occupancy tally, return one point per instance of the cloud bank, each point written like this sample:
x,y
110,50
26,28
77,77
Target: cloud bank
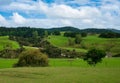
x,y
57,13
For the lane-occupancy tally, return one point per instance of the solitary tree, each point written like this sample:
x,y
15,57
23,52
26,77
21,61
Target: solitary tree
x,y
94,56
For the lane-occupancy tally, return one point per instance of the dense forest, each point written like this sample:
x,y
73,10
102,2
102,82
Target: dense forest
x,y
27,31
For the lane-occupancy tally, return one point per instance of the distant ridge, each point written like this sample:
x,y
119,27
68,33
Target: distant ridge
x,y
89,30
66,28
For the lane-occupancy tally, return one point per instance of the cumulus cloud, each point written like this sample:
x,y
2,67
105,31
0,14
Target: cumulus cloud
x,y
86,14
3,21
18,18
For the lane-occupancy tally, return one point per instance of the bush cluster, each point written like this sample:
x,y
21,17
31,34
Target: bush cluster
x,y
32,58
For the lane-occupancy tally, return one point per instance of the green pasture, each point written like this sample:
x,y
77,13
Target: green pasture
x,y
88,42
62,71
59,41
4,40
107,62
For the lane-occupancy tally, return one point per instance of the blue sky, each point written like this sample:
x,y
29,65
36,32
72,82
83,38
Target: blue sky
x,y
57,13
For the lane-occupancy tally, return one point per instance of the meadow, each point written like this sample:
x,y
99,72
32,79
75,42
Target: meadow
x,y
107,62
62,71
4,40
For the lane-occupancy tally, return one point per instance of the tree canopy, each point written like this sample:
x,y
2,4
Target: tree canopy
x,y
94,56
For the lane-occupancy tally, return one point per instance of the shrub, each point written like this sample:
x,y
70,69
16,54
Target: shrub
x,y
78,39
32,58
94,56
117,55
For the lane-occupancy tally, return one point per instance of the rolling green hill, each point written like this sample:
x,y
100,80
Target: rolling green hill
x,y
4,40
88,42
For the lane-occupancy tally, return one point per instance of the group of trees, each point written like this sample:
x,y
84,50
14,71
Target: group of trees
x,y
21,31
34,40
73,34
110,35
8,52
55,52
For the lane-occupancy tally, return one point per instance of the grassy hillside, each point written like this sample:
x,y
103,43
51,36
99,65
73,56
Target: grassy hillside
x,y
63,71
59,41
62,42
87,43
4,40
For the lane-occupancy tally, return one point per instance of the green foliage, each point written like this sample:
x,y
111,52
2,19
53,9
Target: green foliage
x,y
32,58
83,34
70,34
56,32
110,35
35,35
94,56
53,52
46,33
70,42
117,55
78,39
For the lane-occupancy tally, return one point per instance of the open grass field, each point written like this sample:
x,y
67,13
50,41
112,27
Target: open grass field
x,y
107,62
60,75
63,71
7,63
5,41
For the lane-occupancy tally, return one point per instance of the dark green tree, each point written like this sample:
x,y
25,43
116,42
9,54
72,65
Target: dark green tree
x,y
94,56
56,33
70,42
35,34
78,39
46,33
83,34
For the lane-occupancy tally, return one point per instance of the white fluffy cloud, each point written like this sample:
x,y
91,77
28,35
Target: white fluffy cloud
x,y
59,13
3,21
18,19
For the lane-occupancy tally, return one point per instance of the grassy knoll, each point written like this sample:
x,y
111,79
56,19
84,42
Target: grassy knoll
x,y
4,40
